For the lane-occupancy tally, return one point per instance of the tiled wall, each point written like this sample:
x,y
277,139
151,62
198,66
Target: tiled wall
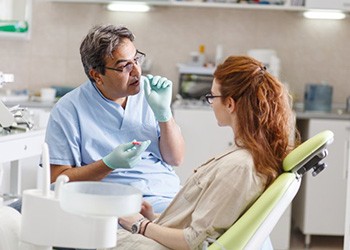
x,y
310,51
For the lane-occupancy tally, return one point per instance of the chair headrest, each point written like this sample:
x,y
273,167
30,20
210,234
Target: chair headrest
x,y
305,151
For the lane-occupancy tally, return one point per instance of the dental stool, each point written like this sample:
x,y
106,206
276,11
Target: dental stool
x,y
252,229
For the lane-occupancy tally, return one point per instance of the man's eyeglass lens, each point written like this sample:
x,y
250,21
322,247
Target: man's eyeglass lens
x,y
138,60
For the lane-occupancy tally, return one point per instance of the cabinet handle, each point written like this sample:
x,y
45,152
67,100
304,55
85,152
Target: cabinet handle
x,y
347,156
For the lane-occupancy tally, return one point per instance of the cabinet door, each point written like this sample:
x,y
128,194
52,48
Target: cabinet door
x,y
203,138
324,196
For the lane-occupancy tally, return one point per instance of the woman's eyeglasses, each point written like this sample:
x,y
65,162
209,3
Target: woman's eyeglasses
x,y
138,60
209,98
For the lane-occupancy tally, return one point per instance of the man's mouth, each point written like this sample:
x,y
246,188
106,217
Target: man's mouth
x,y
135,81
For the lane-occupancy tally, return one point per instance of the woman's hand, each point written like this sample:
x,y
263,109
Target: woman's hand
x,y
147,211
126,222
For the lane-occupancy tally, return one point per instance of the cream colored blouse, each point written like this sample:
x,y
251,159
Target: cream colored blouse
x,y
212,199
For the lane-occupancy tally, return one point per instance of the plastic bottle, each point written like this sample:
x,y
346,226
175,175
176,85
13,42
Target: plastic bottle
x,y
201,59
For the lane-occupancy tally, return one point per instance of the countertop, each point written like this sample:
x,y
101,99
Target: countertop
x,y
31,104
335,115
338,113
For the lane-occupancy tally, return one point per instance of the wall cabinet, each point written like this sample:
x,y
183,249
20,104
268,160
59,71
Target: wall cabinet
x,y
199,4
319,207
204,139
15,19
325,4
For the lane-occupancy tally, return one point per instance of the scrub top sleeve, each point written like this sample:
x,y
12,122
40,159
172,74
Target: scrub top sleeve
x,y
62,137
221,204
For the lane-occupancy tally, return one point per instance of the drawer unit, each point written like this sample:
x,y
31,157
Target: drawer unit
x,y
21,145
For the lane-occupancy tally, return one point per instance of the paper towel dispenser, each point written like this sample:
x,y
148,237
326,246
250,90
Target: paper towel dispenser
x,y
318,97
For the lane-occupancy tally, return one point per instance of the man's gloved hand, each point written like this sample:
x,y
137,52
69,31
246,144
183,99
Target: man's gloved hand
x,y
158,92
126,155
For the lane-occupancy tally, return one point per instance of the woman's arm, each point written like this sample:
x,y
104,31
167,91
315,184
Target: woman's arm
x,y
169,237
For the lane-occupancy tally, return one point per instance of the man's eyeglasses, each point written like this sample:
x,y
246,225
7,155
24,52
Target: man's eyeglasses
x,y
138,60
209,98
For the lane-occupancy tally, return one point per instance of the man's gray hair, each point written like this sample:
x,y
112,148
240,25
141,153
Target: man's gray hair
x,y
100,43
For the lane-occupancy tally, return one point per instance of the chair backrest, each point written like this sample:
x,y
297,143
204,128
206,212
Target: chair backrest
x,y
255,225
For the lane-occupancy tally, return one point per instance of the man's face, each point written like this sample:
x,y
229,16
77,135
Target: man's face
x,y
118,82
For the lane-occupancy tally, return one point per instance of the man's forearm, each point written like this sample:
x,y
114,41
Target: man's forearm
x,y
93,172
172,145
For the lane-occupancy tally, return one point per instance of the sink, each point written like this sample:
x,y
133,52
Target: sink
x,y
100,199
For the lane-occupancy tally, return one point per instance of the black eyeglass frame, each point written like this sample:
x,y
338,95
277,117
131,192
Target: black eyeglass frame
x,y
209,98
131,63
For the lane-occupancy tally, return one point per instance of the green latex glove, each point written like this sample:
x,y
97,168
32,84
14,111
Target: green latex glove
x,y
158,92
125,155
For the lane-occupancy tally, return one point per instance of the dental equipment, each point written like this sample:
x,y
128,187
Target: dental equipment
x,y
5,78
15,117
74,215
6,117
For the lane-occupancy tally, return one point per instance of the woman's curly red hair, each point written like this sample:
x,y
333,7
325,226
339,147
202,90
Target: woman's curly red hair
x,y
266,122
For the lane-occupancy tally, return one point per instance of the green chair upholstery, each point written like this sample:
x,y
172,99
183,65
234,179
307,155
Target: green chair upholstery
x,y
255,225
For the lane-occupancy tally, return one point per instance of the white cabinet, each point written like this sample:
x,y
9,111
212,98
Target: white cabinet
x,y
14,148
319,207
15,19
287,6
204,139
326,4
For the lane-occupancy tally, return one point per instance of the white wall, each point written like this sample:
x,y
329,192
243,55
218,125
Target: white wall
x,y
310,51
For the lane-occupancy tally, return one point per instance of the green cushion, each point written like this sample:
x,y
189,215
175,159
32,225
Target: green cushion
x,y
303,151
238,235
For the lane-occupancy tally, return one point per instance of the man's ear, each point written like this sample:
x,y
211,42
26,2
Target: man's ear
x,y
230,104
96,76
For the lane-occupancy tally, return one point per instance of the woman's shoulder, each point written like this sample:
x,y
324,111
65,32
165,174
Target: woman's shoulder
x,y
236,156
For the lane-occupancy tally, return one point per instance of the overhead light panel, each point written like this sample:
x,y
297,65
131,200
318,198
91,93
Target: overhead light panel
x,y
324,14
129,7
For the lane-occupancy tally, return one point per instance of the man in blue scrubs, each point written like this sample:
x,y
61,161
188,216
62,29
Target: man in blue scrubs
x,y
91,129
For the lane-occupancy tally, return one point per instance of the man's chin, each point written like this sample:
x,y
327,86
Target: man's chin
x,y
134,89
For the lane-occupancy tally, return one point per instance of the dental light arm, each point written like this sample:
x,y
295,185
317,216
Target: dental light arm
x,y
12,118
6,117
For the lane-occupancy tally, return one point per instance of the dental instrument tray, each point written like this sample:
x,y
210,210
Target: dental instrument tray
x,y
100,199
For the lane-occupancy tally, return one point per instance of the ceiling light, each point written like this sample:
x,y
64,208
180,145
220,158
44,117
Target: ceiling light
x,y
324,14
127,6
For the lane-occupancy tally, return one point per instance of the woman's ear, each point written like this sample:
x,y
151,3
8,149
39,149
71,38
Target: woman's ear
x,y
96,76
230,104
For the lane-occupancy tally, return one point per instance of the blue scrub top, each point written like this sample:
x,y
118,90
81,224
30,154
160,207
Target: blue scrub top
x,y
84,126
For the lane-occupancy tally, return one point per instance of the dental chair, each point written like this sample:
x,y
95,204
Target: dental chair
x,y
252,229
